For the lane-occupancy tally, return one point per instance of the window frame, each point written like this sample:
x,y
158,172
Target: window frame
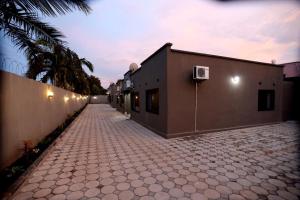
x,y
262,104
149,105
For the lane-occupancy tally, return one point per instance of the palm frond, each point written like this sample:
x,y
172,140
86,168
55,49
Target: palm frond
x,y
53,7
34,70
19,37
29,22
87,63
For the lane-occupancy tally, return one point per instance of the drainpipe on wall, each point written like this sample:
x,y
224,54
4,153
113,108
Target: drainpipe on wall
x,y
196,105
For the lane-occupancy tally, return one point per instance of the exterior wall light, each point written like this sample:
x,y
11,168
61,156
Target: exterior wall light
x,y
94,97
66,99
73,96
50,94
235,80
77,98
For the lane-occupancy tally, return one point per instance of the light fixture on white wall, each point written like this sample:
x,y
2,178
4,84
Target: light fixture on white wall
x,y
66,98
235,80
50,94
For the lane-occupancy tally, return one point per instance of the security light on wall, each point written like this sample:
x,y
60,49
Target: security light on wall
x,y
235,80
200,73
66,98
50,94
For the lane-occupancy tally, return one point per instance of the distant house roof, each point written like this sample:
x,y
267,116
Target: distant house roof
x,y
291,70
295,62
119,81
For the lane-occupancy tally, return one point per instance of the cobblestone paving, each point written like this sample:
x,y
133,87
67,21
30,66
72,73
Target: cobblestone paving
x,y
105,156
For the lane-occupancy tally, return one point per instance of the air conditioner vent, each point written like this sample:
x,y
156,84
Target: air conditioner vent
x,y
200,73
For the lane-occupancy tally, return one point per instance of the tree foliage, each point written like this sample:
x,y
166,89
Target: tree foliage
x,y
95,86
47,55
59,65
19,20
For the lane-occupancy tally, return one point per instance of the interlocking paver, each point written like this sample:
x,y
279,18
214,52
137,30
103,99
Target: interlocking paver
x,y
223,189
60,189
41,193
75,195
92,192
30,187
126,195
249,194
162,196
212,194
175,192
141,191
108,189
236,197
58,197
103,155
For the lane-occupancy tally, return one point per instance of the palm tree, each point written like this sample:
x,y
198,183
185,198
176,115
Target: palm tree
x,y
59,65
20,21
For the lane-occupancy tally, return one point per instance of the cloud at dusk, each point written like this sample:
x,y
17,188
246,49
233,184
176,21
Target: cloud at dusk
x,y
119,32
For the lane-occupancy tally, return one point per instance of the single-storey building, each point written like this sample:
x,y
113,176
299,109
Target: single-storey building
x,y
178,93
111,91
127,87
119,96
291,91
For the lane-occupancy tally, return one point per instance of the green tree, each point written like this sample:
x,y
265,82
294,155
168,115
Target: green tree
x,y
20,21
95,86
59,65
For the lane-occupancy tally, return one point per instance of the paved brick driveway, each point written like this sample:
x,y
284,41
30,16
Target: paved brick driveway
x,y
105,156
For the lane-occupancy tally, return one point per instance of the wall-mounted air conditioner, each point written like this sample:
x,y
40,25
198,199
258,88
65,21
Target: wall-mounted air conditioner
x,y
200,73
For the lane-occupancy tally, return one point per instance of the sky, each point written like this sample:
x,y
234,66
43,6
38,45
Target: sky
x,y
119,32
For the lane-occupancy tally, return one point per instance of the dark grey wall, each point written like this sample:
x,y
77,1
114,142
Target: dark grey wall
x,y
120,104
152,74
291,99
113,96
220,103
127,103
